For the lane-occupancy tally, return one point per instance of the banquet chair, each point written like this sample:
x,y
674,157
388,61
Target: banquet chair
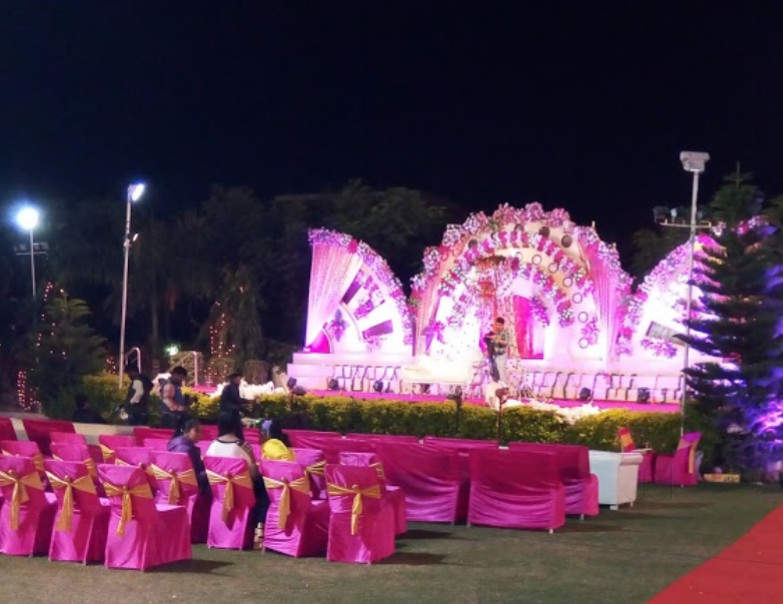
x,y
139,457
680,468
27,513
177,484
67,438
233,500
109,442
142,432
82,519
627,445
75,452
394,494
429,477
361,523
573,464
308,439
39,431
516,490
142,534
156,444
296,524
313,462
7,431
24,448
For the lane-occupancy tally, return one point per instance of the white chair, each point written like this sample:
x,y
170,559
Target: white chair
x,y
618,475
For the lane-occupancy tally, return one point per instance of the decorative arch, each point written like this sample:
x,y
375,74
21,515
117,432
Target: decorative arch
x,y
355,303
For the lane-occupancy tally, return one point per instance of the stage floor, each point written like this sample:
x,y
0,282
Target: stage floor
x,y
429,398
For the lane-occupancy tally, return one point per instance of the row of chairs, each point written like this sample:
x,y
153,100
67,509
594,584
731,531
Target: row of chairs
x,y
362,378
444,480
603,386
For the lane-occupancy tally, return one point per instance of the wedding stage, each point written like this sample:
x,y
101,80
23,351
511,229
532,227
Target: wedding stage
x,y
578,330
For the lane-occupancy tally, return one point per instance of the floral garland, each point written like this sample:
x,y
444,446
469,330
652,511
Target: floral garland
x,y
660,348
377,266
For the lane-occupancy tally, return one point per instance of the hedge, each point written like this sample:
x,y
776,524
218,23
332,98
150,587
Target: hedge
x,y
659,431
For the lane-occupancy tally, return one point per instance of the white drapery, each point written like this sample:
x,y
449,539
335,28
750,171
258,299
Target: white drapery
x,y
332,271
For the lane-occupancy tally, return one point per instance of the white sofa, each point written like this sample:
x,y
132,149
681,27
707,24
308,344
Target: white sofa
x,y
618,475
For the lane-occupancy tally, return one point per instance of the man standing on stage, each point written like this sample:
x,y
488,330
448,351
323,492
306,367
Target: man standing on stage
x,y
497,347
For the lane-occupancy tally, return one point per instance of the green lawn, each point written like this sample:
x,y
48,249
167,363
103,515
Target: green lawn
x,y
622,557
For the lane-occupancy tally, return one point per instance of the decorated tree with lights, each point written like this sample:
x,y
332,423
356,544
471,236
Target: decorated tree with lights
x,y
736,321
63,349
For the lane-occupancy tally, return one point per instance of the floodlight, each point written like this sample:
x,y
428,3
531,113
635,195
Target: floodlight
x,y
694,161
136,190
27,218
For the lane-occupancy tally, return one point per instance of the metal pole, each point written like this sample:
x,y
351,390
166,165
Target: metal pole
x,y
694,195
126,246
32,261
195,368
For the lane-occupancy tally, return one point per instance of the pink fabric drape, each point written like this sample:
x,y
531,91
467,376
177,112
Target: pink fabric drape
x,y
308,439
86,540
516,490
429,477
68,438
156,534
7,431
332,270
39,431
156,444
523,324
142,432
306,528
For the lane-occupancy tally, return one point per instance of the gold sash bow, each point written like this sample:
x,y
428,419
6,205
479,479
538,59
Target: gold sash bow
x,y
19,494
357,507
92,470
83,483
379,468
691,454
301,484
38,459
242,480
176,478
140,490
107,453
144,467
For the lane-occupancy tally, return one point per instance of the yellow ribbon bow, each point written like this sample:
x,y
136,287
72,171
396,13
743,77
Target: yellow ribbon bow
x,y
317,468
379,468
357,507
176,478
19,494
143,467
92,470
284,507
691,454
140,490
106,452
38,459
242,480
83,483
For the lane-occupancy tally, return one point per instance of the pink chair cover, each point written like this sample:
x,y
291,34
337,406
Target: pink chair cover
x,y
237,531
139,457
75,452
86,541
36,515
516,490
394,495
203,446
251,436
142,432
398,438
155,535
308,439
39,431
374,539
256,448
307,526
196,503
156,444
429,477
647,467
25,448
7,431
308,458
573,462
112,441
332,447
209,432
674,469
68,438
463,446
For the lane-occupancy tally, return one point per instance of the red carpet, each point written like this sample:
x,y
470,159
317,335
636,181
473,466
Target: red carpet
x,y
749,570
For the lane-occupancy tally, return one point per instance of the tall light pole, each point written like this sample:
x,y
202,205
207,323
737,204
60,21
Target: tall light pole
x,y
135,191
27,219
693,162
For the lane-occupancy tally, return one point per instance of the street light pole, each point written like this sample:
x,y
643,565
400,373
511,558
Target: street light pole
x,y
32,262
27,219
694,162
135,192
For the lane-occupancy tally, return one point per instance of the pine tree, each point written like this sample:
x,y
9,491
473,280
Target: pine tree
x,y
736,320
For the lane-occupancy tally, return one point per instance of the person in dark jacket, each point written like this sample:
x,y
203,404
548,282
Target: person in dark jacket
x,y
85,413
185,442
137,399
230,400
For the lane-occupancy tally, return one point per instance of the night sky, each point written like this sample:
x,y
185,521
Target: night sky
x,y
581,108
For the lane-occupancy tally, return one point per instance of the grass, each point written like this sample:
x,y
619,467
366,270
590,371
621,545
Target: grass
x,y
624,556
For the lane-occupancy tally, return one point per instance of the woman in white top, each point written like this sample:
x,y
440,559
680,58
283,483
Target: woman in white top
x,y
230,443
